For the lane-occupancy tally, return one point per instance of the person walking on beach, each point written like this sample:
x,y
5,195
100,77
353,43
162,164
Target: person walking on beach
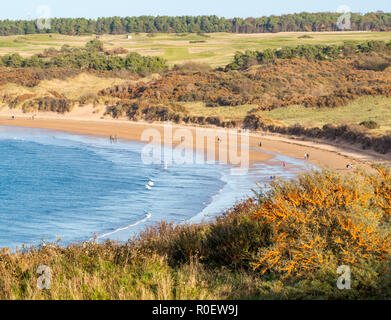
x,y
113,139
284,164
260,144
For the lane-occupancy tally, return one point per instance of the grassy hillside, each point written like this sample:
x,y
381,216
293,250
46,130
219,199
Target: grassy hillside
x,y
377,109
286,243
216,49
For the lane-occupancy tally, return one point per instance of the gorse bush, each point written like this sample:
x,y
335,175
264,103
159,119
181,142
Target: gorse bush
x,y
324,219
370,124
143,110
94,45
89,60
45,104
243,60
136,110
232,241
91,57
31,77
282,83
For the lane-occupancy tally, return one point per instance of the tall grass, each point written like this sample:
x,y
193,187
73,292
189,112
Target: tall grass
x,y
363,109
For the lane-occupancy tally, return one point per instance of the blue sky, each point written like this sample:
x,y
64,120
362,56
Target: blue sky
x,y
24,9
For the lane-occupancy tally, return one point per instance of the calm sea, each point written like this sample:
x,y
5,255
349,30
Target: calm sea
x,y
54,184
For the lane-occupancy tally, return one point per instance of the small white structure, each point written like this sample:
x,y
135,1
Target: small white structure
x,y
129,37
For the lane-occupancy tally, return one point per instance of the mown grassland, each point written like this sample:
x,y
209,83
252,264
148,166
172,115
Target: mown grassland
x,y
216,49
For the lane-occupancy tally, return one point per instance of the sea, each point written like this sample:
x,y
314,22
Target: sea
x,y
57,187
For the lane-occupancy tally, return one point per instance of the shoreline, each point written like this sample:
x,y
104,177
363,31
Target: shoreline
x,y
322,154
232,189
275,149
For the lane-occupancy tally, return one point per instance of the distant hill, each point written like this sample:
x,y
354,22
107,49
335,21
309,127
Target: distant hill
x,y
323,21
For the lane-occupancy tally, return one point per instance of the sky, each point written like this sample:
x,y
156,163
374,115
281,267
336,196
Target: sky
x,y
31,9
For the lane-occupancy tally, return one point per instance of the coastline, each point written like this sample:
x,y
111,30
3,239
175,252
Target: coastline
x,y
322,154
222,191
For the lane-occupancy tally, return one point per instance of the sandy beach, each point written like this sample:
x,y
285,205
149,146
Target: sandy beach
x,y
323,155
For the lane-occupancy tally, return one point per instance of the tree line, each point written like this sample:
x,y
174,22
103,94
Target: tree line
x,y
324,21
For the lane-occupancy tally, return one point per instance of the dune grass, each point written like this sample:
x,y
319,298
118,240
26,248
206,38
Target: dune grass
x,y
225,113
74,88
377,109
93,272
77,87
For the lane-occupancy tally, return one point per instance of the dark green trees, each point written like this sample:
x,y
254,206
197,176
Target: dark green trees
x,y
324,21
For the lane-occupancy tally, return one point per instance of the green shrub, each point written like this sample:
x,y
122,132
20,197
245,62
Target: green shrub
x,y
305,36
370,124
89,58
234,240
95,45
242,60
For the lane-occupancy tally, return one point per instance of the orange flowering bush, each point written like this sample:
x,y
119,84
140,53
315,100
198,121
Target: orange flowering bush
x,y
324,219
